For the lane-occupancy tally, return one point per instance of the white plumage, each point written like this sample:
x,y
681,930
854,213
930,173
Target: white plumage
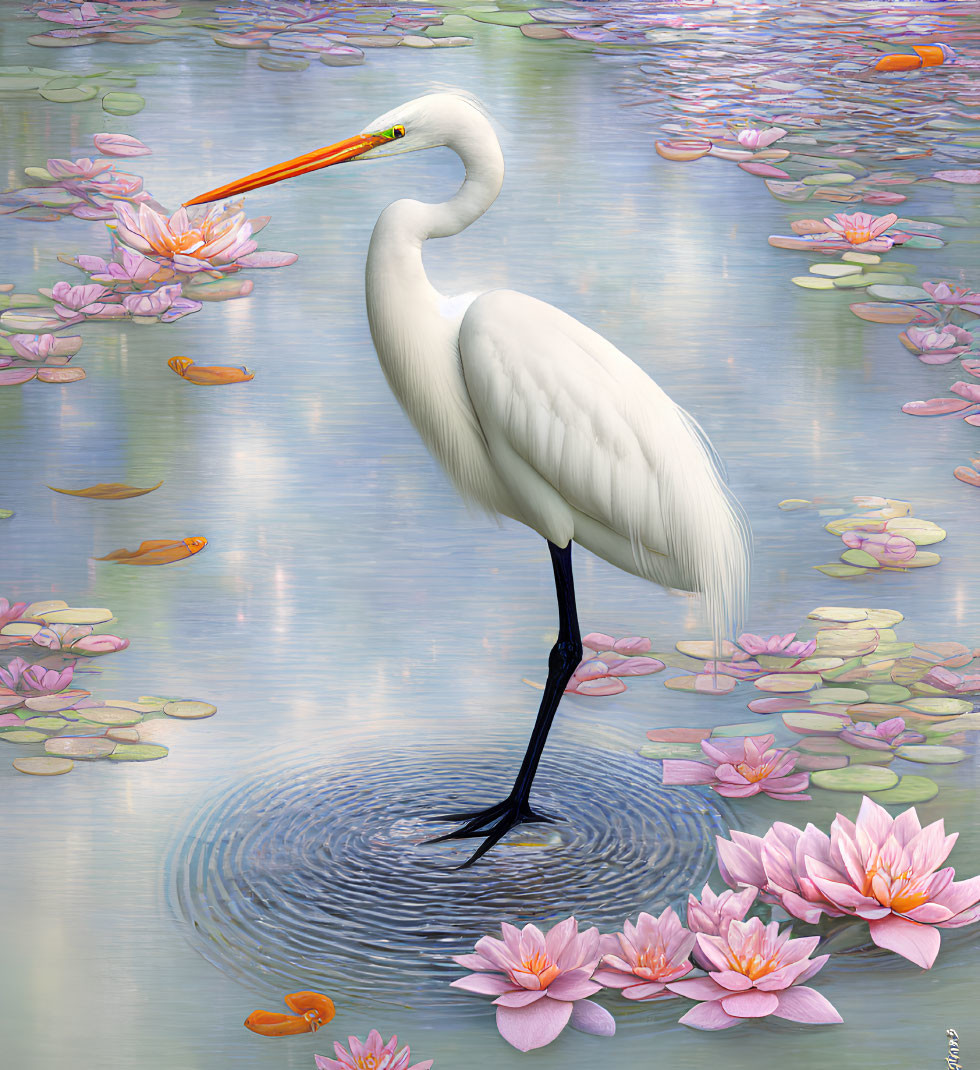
x,y
532,414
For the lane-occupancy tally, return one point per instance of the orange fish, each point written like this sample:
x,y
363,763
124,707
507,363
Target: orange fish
x,y
210,375
108,492
158,551
312,1010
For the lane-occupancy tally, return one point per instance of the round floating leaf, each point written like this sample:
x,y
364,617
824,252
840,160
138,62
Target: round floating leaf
x,y
62,91
893,291
189,710
77,616
846,695
860,558
272,62
46,724
22,735
87,747
820,724
123,735
133,707
840,572
123,103
940,706
910,789
704,649
788,683
839,614
835,271
155,701
931,754
887,693
659,751
114,715
811,762
884,618
841,748
43,766
863,778
137,752
811,282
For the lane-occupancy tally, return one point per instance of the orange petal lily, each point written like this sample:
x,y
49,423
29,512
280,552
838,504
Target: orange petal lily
x,y
208,375
313,1010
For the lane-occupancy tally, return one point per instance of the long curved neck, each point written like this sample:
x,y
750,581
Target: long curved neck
x,y
415,328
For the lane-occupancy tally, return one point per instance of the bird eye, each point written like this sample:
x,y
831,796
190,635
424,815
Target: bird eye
x,y
398,131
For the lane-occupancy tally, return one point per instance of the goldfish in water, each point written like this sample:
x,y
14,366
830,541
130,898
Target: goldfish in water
x,y
158,551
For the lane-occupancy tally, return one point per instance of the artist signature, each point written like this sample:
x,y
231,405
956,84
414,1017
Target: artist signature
x,y
953,1051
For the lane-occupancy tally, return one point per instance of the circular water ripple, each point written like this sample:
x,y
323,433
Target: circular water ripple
x,y
315,876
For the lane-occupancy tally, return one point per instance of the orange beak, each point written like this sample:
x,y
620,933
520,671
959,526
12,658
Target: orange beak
x,y
348,149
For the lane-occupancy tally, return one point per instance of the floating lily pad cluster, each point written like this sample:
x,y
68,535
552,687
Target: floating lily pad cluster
x,y
850,703
68,24
44,711
109,84
159,268
882,535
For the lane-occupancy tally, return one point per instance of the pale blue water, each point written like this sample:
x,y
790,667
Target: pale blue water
x,y
361,631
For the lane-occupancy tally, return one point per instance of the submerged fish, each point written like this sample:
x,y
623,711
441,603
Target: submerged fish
x,y
313,1009
158,551
208,375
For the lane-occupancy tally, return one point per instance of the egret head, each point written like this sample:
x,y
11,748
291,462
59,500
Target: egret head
x,y
423,123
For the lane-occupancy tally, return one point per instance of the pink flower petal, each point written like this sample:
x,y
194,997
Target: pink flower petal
x,y
589,1017
708,1016
917,943
802,1004
534,1026
753,1004
484,984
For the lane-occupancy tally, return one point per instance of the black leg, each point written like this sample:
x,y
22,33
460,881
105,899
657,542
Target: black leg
x,y
495,821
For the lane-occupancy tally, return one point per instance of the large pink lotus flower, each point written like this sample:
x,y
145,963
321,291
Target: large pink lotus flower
x,y
614,658
883,546
782,646
77,639
861,230
886,735
84,169
42,346
952,682
739,767
541,982
880,868
133,269
84,17
944,293
644,957
754,971
938,345
32,680
10,611
371,1054
216,238
117,184
760,139
165,302
714,913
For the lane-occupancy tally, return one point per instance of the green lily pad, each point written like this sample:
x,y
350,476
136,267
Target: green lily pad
x,y
820,724
846,695
843,669
22,735
861,258
874,280
940,706
923,241
887,693
809,763
46,724
910,789
811,282
835,271
930,754
788,683
863,778
67,91
43,765
114,715
44,40
840,572
270,61
892,291
860,559
86,747
6,514
659,751
138,752
834,746
123,103
77,616
189,710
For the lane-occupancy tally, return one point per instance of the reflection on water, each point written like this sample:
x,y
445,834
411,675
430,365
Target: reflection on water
x,y
345,590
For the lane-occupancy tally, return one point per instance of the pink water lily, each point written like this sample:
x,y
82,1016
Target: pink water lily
x,y
740,767
74,303
85,17
952,682
754,970
760,139
712,914
371,1054
42,346
944,293
861,230
165,302
615,658
541,982
134,268
215,238
120,145
882,869
117,184
783,646
77,639
939,345
33,680
644,957
10,611
884,547
85,168
886,735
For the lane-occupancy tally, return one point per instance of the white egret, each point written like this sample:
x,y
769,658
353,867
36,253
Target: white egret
x,y
533,415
